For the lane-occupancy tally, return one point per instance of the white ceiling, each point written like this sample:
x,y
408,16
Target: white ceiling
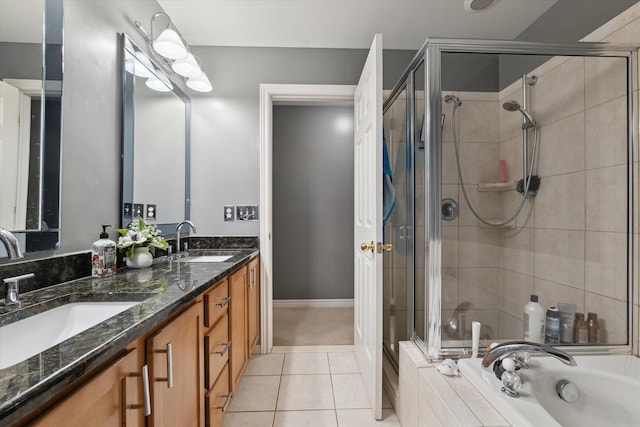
x,y
405,24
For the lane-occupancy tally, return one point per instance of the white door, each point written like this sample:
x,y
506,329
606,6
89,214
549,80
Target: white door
x,y
368,225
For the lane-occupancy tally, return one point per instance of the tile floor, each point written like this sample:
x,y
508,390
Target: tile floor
x,y
304,389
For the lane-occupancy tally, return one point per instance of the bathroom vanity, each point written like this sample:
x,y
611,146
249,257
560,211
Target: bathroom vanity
x,y
173,358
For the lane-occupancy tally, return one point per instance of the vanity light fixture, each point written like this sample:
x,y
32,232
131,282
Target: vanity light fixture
x,y
135,67
199,83
187,67
174,54
158,85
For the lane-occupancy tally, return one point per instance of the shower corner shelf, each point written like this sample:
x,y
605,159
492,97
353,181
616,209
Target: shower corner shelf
x,y
497,186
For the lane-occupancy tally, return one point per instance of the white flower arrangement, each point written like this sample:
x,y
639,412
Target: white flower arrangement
x,y
139,234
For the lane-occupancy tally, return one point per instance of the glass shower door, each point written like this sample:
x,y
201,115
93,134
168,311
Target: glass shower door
x,y
397,264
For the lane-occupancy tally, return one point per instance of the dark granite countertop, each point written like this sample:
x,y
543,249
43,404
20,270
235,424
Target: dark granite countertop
x,y
162,289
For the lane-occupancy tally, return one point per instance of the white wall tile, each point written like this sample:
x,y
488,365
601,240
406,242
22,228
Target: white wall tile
x,y
606,264
605,79
561,146
559,93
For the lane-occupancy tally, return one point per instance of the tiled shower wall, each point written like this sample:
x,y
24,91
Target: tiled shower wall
x,y
569,243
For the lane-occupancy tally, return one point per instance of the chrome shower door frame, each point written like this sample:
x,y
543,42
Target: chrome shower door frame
x,y
431,52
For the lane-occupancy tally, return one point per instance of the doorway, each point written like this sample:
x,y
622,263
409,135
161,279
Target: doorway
x,y
313,224
308,95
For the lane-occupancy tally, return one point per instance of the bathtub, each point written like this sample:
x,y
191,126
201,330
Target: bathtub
x,y
609,387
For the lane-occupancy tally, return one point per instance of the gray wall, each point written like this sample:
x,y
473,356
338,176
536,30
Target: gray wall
x,y
225,122
312,202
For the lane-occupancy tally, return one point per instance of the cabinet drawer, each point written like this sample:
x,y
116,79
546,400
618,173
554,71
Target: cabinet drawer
x,y
216,303
216,347
217,400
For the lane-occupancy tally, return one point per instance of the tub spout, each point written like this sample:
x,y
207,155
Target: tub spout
x,y
503,350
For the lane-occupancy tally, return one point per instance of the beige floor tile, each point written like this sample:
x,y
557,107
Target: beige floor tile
x,y
300,392
305,418
364,418
349,391
265,364
248,419
256,393
305,363
343,363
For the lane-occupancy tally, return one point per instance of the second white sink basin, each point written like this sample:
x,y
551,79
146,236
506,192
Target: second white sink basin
x,y
27,337
210,258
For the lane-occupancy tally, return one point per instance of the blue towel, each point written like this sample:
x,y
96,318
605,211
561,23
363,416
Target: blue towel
x,y
388,190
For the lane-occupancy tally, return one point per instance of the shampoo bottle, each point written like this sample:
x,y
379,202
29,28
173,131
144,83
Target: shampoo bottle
x,y
534,319
103,255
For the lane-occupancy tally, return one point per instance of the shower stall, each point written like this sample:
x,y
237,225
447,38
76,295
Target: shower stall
x,y
512,166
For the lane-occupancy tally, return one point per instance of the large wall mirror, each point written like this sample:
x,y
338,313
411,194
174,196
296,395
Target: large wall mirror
x,y
31,121
156,134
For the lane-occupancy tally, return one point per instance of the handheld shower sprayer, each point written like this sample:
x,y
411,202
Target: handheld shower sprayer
x,y
453,99
515,106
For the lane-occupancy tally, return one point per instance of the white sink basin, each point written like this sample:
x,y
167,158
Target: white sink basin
x,y
27,337
210,258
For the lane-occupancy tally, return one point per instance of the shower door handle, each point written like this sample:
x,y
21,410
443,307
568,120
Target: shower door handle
x,y
384,247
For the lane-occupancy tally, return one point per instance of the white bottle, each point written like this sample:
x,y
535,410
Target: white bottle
x,y
534,318
103,255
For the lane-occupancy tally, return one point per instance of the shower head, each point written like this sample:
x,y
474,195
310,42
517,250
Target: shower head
x,y
453,99
515,106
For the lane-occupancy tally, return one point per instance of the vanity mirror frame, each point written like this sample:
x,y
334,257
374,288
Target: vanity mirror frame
x,y
38,238
128,136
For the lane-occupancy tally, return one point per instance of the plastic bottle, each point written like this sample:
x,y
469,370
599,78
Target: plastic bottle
x,y
592,328
534,321
552,326
580,331
103,255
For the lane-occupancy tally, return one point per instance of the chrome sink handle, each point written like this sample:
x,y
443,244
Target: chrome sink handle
x,y
503,350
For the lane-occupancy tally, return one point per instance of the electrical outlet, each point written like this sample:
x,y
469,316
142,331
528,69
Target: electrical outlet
x,y
247,213
152,212
229,213
126,211
138,210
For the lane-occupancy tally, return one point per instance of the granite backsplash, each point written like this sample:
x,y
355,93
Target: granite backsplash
x,y
58,269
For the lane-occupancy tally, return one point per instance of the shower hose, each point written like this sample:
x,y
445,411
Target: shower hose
x,y
527,179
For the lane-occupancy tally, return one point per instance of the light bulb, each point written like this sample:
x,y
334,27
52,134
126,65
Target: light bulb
x,y
158,85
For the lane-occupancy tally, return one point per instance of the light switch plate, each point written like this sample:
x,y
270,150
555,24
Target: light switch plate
x,y
247,213
138,210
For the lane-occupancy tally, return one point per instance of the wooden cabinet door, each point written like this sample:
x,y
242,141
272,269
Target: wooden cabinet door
x,y
113,397
173,353
237,320
253,305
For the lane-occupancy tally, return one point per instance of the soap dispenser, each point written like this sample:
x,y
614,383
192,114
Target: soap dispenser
x,y
103,255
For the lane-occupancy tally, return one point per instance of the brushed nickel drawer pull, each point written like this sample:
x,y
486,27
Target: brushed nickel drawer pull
x,y
169,378
224,350
223,408
224,302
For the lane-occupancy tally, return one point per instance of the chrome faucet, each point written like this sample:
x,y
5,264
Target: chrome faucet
x,y
178,227
12,291
506,349
504,367
11,243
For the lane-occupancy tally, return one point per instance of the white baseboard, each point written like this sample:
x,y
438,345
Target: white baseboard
x,y
313,303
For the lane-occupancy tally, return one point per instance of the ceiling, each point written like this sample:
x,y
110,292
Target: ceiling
x,y
405,24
